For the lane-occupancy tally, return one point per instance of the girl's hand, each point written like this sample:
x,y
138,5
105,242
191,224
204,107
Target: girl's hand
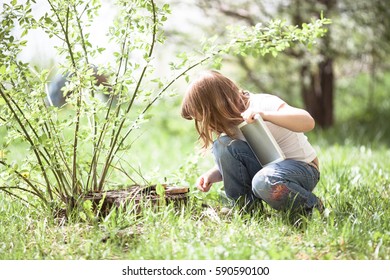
x,y
250,116
203,183
206,180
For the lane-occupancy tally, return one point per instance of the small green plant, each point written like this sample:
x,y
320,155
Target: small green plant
x,y
74,151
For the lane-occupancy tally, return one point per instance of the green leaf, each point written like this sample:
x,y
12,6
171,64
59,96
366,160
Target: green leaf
x,y
160,190
3,69
83,216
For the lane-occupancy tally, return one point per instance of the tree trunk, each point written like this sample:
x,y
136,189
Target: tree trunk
x,y
317,87
317,81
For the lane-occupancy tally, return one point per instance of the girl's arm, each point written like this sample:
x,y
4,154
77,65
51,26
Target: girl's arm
x,y
292,118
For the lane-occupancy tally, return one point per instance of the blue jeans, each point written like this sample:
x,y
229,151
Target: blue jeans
x,y
284,185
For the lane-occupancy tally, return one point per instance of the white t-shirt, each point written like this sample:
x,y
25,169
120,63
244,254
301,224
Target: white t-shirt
x,y
293,144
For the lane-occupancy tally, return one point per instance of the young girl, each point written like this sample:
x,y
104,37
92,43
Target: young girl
x,y
218,106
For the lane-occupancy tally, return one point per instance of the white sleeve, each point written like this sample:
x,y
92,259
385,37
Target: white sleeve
x,y
265,102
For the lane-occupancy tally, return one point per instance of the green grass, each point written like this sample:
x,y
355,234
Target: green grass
x,y
355,186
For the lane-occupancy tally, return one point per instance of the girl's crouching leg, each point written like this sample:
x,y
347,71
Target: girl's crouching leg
x,y
281,194
272,190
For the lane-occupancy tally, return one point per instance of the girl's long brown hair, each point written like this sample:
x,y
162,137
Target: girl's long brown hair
x,y
215,103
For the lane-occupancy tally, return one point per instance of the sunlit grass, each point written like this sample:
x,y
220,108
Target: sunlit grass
x,y
355,224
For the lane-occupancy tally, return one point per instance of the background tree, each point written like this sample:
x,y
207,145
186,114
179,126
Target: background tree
x,y
358,35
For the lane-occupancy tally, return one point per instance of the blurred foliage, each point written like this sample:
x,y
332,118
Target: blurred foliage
x,y
363,113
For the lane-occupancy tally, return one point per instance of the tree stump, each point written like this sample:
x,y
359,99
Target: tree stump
x,y
138,197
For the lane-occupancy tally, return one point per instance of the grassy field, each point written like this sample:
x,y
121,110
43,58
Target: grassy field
x,y
355,186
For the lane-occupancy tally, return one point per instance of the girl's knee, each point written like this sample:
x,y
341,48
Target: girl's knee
x,y
270,189
260,185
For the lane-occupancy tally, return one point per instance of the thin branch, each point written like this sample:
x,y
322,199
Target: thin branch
x,y
5,189
37,191
237,13
250,74
28,138
64,29
96,153
111,153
